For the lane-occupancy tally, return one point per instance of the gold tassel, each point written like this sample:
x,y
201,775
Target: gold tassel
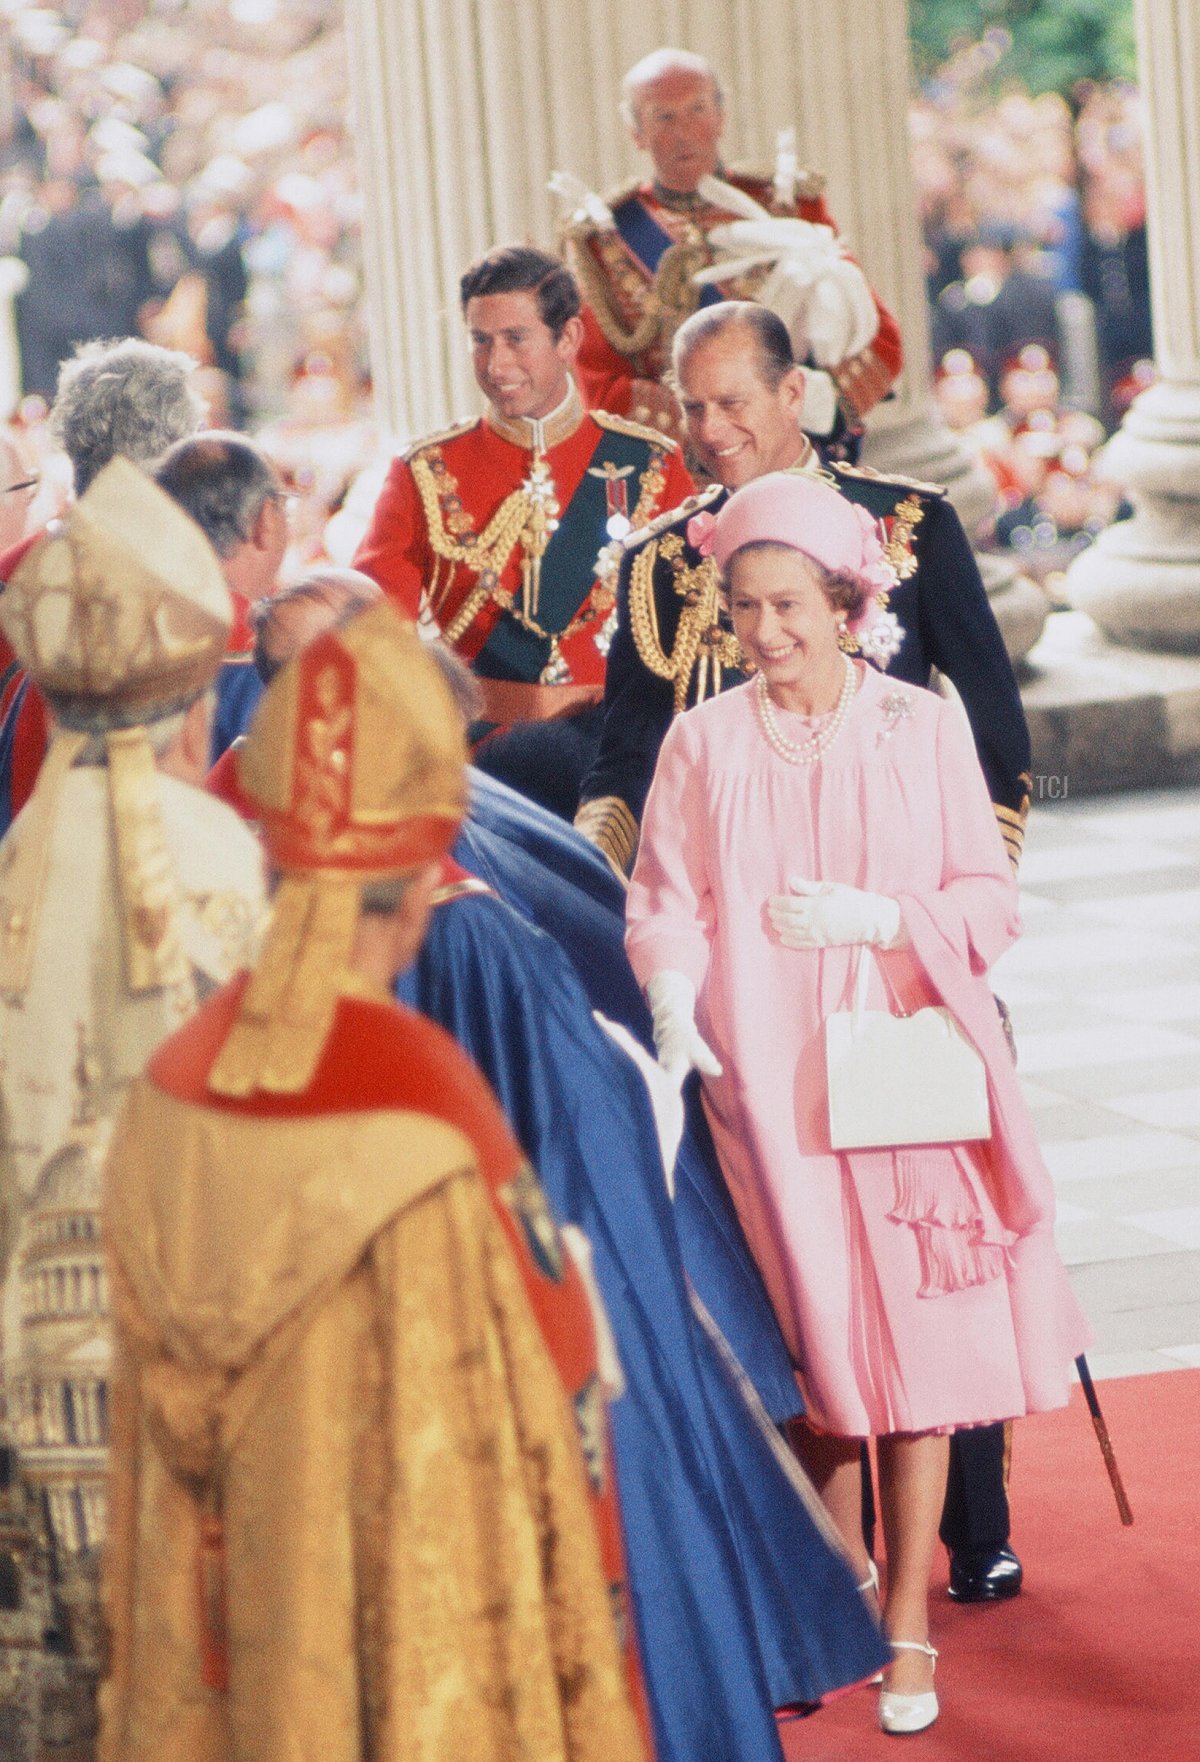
x,y
148,891
288,1007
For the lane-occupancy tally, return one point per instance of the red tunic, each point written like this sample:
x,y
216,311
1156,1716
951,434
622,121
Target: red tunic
x,y
598,470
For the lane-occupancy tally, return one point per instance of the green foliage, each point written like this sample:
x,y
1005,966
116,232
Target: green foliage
x,y
1054,43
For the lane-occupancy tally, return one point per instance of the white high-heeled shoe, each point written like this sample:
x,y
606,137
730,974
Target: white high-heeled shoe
x,y
904,1714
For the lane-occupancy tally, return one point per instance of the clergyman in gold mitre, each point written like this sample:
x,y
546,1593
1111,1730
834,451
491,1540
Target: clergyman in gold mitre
x,y
125,890
356,767
331,1360
123,886
121,619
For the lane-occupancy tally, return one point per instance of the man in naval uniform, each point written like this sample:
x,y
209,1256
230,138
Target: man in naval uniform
x,y
638,253
502,529
743,399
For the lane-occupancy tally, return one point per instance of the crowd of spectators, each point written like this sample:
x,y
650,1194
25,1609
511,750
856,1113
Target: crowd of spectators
x,y
1034,220
184,170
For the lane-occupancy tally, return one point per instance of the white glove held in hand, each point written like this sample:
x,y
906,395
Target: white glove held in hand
x,y
825,914
677,1041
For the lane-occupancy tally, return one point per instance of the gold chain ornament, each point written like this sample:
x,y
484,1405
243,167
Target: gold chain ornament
x,y
528,516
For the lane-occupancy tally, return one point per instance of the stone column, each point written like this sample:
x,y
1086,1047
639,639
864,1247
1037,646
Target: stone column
x,y
1140,581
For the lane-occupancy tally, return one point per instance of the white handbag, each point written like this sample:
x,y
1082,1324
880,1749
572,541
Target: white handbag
x,y
901,1079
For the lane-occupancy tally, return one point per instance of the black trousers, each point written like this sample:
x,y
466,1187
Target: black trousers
x,y
975,1517
546,761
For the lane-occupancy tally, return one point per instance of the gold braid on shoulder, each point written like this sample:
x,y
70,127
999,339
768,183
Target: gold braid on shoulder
x,y
898,549
698,638
485,553
668,299
489,549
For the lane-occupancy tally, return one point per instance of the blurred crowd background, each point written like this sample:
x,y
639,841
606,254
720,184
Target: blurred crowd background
x,y
184,170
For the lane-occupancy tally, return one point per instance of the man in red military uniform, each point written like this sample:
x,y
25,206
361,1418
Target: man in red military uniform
x,y
505,530
637,253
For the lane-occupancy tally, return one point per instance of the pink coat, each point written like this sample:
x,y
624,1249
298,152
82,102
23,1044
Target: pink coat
x,y
917,1288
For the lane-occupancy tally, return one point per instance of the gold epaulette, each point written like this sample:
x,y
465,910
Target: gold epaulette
x,y
672,517
808,184
608,823
575,228
638,430
442,435
870,475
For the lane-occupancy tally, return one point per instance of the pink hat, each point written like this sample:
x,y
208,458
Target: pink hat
x,y
808,515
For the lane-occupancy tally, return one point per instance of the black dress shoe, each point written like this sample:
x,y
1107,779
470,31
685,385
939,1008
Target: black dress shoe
x,y
985,1578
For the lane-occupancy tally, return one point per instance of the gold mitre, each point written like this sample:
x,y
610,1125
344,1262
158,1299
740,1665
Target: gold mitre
x,y
355,761
356,765
121,614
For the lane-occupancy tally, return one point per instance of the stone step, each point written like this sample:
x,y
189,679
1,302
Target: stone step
x,y
1102,717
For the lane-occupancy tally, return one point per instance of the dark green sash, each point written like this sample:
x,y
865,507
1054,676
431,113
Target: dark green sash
x,y
569,563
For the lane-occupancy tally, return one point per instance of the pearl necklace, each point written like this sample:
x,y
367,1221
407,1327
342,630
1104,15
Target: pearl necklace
x,y
806,752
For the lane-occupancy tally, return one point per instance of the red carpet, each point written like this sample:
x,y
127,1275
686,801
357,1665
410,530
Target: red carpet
x,y
1097,1659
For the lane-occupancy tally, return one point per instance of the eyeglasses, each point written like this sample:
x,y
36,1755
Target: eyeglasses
x,y
25,483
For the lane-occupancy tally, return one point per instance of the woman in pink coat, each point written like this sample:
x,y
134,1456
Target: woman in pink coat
x,y
819,815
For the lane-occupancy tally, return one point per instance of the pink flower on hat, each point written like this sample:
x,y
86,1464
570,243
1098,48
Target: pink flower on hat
x,y
700,531
873,567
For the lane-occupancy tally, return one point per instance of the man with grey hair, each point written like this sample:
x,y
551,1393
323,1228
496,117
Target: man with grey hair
x,y
234,494
287,620
281,624
645,258
126,397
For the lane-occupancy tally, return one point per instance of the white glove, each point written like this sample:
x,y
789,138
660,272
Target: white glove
x,y
827,914
677,1041
820,402
839,318
814,286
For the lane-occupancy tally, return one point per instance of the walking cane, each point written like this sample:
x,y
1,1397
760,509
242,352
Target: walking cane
x,y
1105,1442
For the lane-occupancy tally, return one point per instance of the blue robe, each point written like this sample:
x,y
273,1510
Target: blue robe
x,y
740,1604
561,883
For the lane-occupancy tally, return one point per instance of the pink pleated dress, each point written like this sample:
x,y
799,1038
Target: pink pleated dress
x,y
918,1289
